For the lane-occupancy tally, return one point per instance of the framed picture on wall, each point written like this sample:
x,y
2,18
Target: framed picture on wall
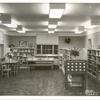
x,y
23,43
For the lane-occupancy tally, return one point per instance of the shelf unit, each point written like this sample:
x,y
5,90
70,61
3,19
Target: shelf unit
x,y
94,63
22,53
64,54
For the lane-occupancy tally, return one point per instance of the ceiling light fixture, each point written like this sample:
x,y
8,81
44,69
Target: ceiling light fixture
x,y
77,31
88,25
56,13
52,26
56,10
20,29
12,25
51,32
6,20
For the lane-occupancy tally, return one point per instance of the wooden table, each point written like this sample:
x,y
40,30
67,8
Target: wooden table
x,y
40,62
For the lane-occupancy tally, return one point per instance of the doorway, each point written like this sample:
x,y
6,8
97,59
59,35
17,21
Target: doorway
x,y
1,50
90,45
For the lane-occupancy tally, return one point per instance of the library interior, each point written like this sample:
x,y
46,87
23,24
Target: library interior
x,y
50,49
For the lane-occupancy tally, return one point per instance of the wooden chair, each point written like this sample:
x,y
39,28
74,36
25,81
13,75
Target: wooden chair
x,y
5,70
24,65
14,68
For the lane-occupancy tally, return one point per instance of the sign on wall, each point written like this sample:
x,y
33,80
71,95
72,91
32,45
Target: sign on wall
x,y
23,43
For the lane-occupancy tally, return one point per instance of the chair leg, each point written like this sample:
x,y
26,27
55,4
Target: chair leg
x,y
2,73
8,73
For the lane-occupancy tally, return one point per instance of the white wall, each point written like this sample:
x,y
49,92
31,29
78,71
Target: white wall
x,y
3,42
1,37
47,39
95,37
6,43
77,41
15,39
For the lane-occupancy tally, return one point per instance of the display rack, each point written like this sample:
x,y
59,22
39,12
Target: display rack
x,y
22,53
94,63
64,54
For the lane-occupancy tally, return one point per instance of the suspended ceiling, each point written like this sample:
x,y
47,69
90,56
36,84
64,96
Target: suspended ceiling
x,y
35,16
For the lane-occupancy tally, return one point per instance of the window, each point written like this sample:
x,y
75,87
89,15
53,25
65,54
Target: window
x,y
55,49
38,49
47,49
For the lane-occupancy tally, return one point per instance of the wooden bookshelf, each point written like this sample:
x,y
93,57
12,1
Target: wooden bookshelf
x,y
94,63
22,53
64,54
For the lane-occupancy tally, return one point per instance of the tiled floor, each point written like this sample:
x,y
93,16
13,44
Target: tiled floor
x,y
39,82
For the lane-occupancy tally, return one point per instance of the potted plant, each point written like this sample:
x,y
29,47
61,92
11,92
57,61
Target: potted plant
x,y
74,53
10,56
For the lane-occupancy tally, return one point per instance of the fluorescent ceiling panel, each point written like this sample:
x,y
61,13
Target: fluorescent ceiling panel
x,y
51,32
13,24
44,29
61,23
63,29
36,29
56,10
56,13
5,18
77,31
21,31
52,26
88,25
